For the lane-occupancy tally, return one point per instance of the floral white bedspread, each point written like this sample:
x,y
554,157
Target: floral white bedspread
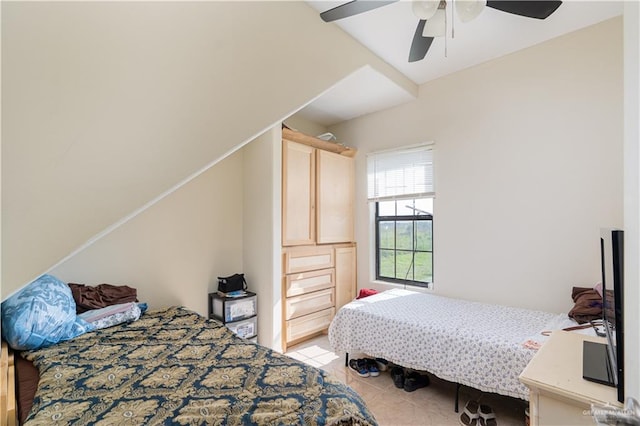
x,y
471,343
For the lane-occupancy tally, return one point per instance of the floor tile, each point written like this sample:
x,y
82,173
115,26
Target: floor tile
x,y
297,355
432,405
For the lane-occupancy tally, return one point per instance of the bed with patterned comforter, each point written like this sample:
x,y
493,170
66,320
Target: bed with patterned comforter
x,y
176,367
475,344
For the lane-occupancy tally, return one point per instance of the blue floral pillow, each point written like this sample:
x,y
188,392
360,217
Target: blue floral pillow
x,y
41,314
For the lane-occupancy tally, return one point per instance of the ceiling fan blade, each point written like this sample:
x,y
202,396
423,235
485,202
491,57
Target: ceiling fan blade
x,y
351,8
530,9
420,44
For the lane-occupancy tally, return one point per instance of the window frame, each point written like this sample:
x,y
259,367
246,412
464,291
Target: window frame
x,y
404,218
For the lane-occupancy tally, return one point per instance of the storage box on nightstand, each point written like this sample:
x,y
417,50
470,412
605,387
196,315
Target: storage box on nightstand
x,y
239,314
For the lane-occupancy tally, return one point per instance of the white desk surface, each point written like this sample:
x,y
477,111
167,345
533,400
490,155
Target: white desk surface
x,y
557,369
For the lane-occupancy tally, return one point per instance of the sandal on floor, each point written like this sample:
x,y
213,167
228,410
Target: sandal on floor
x,y
487,416
470,416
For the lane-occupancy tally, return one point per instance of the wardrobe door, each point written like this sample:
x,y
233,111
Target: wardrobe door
x,y
335,194
298,194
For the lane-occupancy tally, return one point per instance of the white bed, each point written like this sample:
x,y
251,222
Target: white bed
x,y
470,343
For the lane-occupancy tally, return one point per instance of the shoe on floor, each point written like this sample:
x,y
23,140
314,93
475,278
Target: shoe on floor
x,y
415,381
372,367
383,364
470,416
397,374
359,366
487,416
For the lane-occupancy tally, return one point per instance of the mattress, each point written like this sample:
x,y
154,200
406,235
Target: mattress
x,y
174,366
475,344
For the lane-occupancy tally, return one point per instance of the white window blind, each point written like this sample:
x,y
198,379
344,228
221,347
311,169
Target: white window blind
x,y
402,173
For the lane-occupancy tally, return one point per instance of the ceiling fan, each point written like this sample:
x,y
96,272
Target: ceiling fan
x,y
431,15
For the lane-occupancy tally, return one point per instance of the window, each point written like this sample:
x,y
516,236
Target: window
x,y
400,185
404,241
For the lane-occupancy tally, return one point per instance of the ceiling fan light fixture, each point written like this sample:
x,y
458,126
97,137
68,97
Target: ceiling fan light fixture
x,y
436,26
425,9
468,10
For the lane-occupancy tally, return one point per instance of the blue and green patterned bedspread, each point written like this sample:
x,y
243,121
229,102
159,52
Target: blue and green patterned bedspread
x,y
176,367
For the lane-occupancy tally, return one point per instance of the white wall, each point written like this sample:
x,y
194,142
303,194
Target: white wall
x,y
528,167
632,197
301,124
174,251
262,232
107,106
227,220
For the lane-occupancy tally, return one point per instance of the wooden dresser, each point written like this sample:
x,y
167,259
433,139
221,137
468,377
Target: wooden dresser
x,y
319,252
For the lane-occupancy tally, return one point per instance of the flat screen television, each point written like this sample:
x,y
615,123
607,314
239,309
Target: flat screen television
x,y
604,363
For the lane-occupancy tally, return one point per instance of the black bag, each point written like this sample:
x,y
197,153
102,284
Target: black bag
x,y
231,283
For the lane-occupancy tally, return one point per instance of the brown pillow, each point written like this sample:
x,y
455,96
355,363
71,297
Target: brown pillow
x,y
588,305
101,296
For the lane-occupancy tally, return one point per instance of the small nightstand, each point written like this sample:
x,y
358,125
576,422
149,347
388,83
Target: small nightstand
x,y
239,314
558,393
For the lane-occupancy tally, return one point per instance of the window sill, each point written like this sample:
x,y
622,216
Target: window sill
x,y
388,285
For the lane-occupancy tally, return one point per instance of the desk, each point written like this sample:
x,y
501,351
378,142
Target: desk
x,y
558,393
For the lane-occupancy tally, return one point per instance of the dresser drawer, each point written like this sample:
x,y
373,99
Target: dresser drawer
x,y
303,326
307,282
308,303
308,259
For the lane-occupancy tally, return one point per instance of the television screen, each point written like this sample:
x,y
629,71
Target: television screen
x,y
612,246
604,363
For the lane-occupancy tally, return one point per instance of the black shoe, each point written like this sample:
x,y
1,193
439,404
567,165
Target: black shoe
x,y
397,374
415,381
359,366
372,367
383,364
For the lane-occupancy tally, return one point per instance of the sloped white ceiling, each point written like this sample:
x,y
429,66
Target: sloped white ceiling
x,y
363,92
388,30
106,106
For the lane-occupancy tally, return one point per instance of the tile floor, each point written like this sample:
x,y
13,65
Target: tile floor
x,y
432,405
